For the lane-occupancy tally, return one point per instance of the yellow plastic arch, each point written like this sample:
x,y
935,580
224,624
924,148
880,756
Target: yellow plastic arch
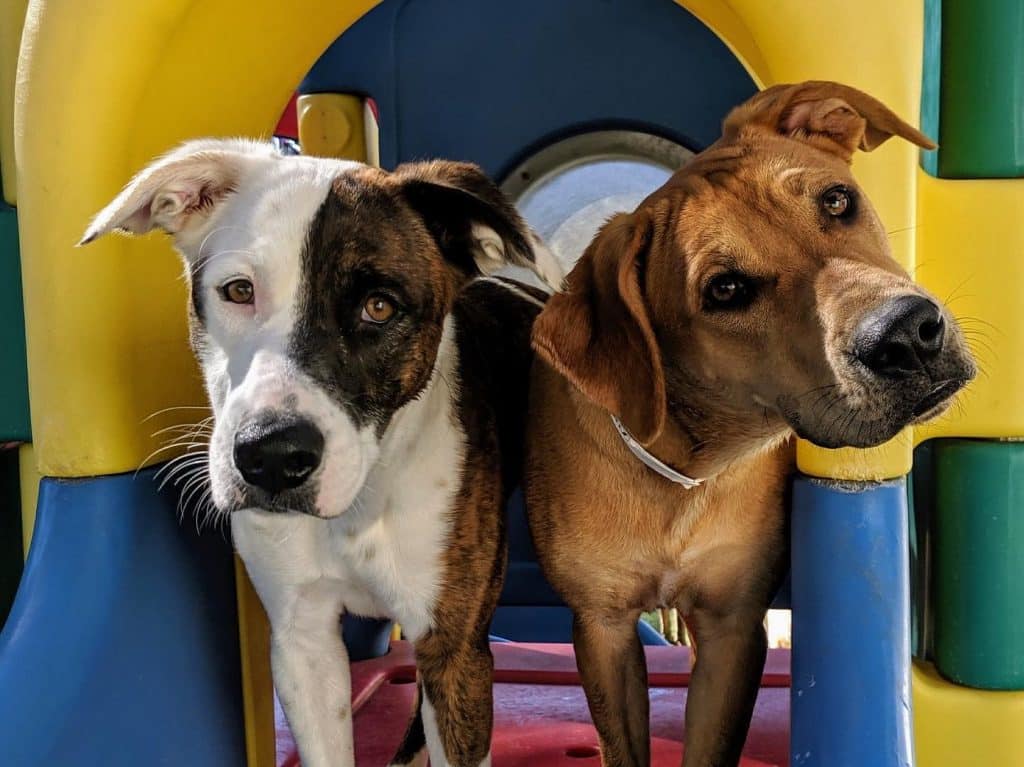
x,y
108,85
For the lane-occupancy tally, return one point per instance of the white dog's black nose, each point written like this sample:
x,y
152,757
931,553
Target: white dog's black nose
x,y
901,337
278,456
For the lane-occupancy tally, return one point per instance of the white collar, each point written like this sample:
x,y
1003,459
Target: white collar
x,y
651,462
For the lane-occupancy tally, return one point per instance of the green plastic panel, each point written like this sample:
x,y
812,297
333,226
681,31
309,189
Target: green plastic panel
x,y
14,412
979,563
930,80
981,121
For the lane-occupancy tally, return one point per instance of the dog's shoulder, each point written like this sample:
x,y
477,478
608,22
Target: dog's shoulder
x,y
493,320
494,317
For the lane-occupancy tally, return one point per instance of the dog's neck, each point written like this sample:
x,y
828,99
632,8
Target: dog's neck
x,y
704,435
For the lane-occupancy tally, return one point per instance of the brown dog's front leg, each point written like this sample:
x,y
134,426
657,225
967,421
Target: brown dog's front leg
x,y
611,662
723,687
455,700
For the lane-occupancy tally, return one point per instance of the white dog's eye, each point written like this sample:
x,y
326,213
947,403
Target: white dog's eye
x,y
238,291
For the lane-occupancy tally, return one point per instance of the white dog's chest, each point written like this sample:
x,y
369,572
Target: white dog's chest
x,y
384,556
391,566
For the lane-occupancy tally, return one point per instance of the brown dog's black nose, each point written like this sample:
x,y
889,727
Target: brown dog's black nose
x,y
278,456
900,337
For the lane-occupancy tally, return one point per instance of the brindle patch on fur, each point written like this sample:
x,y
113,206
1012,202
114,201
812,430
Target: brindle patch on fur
x,y
366,240
454,659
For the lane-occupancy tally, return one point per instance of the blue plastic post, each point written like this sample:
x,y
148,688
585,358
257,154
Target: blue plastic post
x,y
851,703
122,648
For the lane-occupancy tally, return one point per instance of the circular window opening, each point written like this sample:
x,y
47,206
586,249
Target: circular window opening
x,y
567,190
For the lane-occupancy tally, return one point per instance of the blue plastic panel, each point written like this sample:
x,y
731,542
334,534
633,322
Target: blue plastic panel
x,y
851,704
122,647
491,82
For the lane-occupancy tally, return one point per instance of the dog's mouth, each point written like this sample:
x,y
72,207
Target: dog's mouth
x,y
936,400
291,502
861,426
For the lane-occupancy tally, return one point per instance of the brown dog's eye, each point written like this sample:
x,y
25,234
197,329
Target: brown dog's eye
x,y
729,291
837,201
238,291
377,310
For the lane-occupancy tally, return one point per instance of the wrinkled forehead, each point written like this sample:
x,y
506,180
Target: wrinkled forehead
x,y
738,198
769,171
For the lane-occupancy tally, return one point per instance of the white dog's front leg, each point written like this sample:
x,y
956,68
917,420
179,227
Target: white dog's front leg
x,y
312,679
308,658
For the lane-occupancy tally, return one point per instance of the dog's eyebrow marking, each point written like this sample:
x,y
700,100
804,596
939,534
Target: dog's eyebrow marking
x,y
784,175
514,289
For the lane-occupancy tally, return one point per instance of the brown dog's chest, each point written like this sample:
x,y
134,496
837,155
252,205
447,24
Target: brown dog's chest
x,y
702,547
612,533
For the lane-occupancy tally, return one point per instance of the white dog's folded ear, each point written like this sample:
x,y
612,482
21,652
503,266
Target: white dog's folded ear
x,y
180,191
472,220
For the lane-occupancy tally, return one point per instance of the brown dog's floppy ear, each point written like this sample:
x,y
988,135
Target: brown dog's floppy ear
x,y
179,191
597,333
474,223
830,116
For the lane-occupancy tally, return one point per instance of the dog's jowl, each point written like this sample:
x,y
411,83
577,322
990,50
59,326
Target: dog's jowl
x,y
369,399
751,298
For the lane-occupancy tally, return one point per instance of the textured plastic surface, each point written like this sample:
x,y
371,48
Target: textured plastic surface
x,y
959,727
541,716
14,413
122,647
851,626
979,563
981,89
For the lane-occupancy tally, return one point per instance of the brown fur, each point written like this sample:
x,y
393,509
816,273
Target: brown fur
x,y
715,394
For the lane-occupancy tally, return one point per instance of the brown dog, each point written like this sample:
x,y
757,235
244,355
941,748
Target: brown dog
x,y
750,298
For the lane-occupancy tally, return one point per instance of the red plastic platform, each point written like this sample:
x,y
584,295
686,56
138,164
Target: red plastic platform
x,y
541,717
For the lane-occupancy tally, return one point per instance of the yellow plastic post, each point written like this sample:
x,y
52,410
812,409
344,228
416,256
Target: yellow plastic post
x,y
29,481
332,125
12,19
257,684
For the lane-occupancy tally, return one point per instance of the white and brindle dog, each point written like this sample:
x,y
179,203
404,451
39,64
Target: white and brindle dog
x,y
369,398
